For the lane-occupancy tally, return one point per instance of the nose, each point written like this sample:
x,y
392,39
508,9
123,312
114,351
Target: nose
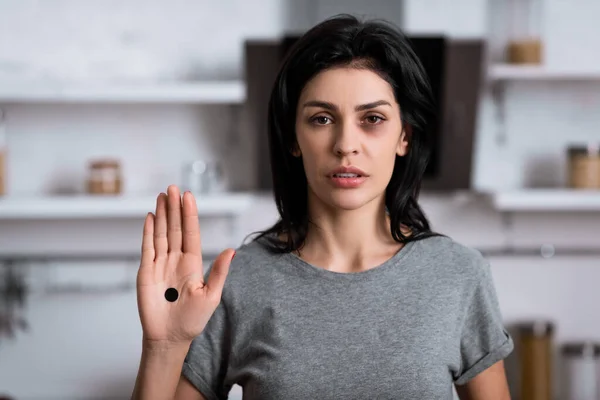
x,y
346,141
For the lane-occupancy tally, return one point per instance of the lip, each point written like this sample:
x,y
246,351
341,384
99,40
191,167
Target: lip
x,y
348,170
347,183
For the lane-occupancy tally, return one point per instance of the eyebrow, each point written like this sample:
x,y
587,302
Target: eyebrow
x,y
333,107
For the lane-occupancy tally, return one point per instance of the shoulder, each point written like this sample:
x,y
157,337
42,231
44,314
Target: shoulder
x,y
252,255
451,258
251,264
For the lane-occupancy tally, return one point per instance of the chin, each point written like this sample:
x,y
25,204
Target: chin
x,y
349,200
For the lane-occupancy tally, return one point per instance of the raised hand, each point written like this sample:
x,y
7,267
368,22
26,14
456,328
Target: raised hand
x,y
172,259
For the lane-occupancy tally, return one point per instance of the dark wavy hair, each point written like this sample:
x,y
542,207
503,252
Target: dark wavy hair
x,y
376,45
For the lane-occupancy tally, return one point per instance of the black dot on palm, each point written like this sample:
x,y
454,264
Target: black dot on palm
x,y
171,294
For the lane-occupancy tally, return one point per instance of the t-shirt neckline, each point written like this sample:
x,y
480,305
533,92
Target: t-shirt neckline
x,y
400,255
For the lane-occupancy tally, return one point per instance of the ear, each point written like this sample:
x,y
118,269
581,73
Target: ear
x,y
405,135
296,150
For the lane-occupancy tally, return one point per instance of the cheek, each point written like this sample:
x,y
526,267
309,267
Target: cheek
x,y
388,149
385,158
309,154
388,160
311,160
314,146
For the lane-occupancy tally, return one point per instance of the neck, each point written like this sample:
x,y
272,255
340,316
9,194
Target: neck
x,y
348,240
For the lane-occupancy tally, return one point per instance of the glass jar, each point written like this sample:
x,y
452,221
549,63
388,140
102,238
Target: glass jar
x,y
525,27
584,167
580,360
535,347
104,177
203,177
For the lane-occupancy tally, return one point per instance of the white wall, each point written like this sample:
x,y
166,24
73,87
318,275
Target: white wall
x,y
113,40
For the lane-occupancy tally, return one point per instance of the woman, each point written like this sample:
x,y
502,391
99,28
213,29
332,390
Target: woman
x,y
350,295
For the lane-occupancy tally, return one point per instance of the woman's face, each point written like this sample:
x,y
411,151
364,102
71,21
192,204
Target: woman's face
x,y
348,118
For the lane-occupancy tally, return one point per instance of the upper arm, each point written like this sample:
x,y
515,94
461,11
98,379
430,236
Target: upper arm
x,y
490,384
187,391
483,341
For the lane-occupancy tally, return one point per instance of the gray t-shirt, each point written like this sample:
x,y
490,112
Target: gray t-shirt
x,y
410,328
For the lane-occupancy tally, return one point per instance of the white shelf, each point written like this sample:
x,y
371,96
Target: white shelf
x,y
540,72
213,92
81,206
548,200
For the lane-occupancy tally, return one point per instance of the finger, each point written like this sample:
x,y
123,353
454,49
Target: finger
x,y
148,241
160,227
174,218
191,226
218,273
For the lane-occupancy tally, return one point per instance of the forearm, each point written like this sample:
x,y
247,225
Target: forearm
x,y
489,384
159,372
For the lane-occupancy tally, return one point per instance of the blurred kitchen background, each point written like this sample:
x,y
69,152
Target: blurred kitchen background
x,y
103,104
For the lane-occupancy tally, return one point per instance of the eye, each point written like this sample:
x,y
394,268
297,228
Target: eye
x,y
374,119
321,120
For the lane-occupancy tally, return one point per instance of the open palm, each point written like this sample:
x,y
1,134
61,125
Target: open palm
x,y
172,258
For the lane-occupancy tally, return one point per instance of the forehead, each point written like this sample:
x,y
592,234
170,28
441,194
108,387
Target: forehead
x,y
346,85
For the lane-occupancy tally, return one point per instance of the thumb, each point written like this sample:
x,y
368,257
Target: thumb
x,y
218,273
